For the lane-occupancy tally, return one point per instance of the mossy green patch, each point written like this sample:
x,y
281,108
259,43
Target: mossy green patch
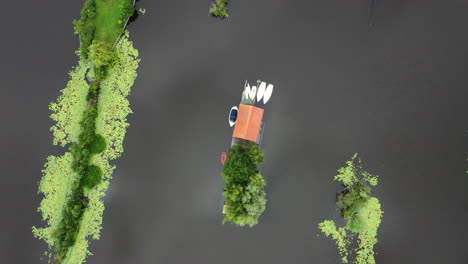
x,y
111,16
113,105
56,186
68,110
340,236
362,212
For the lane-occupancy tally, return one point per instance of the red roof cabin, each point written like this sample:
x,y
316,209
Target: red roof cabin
x,y
249,121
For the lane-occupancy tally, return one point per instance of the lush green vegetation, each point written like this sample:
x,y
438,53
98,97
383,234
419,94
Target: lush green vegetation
x,y
361,211
219,8
74,184
93,102
245,197
102,21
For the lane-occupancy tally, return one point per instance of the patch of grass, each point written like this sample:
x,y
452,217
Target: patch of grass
x,y
219,9
111,16
102,21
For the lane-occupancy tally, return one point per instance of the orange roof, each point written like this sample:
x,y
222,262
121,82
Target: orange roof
x,y
249,120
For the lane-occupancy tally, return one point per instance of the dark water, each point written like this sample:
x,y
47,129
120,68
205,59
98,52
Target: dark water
x,y
396,93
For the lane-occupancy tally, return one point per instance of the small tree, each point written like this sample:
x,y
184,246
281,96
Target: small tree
x,y
101,54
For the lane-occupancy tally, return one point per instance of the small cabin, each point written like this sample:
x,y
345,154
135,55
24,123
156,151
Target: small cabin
x,y
248,123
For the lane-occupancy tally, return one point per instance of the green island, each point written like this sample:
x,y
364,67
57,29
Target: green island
x,y
219,9
245,197
90,116
361,211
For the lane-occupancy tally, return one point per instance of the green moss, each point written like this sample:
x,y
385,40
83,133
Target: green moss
x,y
113,105
68,110
110,19
360,210
219,8
245,197
340,236
56,186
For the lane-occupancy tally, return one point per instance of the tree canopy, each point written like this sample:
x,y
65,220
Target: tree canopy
x,y
245,197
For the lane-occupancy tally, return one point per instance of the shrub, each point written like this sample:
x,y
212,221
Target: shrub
x,y
127,8
100,73
93,176
255,154
99,144
219,8
85,27
88,7
101,53
238,167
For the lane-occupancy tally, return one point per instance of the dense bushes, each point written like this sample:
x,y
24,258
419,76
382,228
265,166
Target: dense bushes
x,y
361,211
219,8
85,26
245,197
127,9
101,54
